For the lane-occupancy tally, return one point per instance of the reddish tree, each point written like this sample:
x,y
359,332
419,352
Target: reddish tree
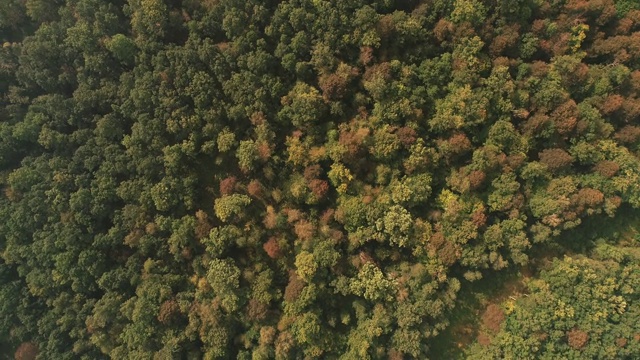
x,y
386,26
443,29
484,339
327,216
501,61
448,253
506,39
353,140
257,118
565,117
293,215
255,189
168,311
304,230
560,44
367,199
611,104
514,161
521,113
493,318
602,11
395,355
26,351
365,258
283,344
479,218
256,310
333,86
555,159
577,339
267,335
132,239
319,187
462,30
624,26
539,26
272,248
406,135
635,80
588,197
437,239
378,70
294,288
606,168
228,185
631,106
264,150
203,226
476,179
545,45
581,72
336,234
312,172
616,201
271,218
459,143
539,69
366,55
536,123
628,134
12,194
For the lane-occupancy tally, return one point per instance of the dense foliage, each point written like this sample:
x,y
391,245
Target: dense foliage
x,y
580,308
298,179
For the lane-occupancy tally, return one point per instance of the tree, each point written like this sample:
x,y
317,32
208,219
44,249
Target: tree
x,y
305,266
247,154
555,159
231,206
123,48
372,284
148,21
224,278
303,107
468,11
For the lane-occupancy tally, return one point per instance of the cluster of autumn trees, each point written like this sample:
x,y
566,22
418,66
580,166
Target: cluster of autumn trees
x,y
300,179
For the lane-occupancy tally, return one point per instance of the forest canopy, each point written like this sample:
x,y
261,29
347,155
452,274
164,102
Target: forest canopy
x,y
309,179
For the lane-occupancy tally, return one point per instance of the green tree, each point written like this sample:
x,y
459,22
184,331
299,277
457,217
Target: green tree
x,y
231,206
123,48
